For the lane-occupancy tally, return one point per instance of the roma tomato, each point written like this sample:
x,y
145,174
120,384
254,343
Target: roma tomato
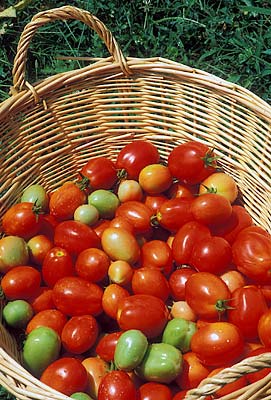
x,y
252,256
211,209
79,334
106,345
100,172
207,294
120,272
174,213
217,344
246,307
36,194
150,281
211,254
144,312
117,385
57,264
17,313
193,372
22,219
233,279
191,162
96,368
185,239
177,281
264,328
154,202
75,237
67,375
155,178
220,183
134,156
129,189
21,282
92,264
38,247
130,350
13,252
157,254
112,296
53,319
138,214
65,200
76,296
154,391
42,300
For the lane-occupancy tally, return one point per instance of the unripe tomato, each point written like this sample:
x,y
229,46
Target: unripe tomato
x,y
17,313
155,178
13,252
130,349
39,246
220,183
129,189
36,194
119,244
105,201
178,332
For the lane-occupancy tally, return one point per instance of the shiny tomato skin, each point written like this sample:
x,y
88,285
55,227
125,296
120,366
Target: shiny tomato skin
x,y
174,213
57,264
76,296
21,282
134,156
79,334
157,254
191,162
65,200
112,296
211,254
117,385
42,300
38,247
106,345
247,305
177,281
154,391
218,343
154,202
252,256
92,264
67,375
144,312
264,329
221,183
96,368
101,173
54,319
150,281
155,178
22,219
211,209
185,239
74,236
193,371
138,214
207,294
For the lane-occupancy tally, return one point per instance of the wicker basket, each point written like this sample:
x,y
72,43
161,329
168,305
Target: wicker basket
x,y
48,130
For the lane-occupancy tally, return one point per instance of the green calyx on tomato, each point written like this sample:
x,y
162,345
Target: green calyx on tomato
x,y
222,305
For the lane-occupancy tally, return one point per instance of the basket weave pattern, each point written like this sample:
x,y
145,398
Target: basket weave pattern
x,y
50,129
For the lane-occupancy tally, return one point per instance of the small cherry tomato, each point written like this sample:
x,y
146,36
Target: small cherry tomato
x,y
220,183
211,209
106,345
157,254
129,189
150,281
100,173
92,264
21,282
155,178
57,264
117,385
38,247
112,296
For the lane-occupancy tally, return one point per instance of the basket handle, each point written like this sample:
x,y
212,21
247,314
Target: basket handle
x,y
61,13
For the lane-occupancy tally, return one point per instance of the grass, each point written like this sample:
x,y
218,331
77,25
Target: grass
x,y
229,38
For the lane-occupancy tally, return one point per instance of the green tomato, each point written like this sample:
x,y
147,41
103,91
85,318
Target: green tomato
x,y
105,201
36,194
162,363
87,214
81,396
178,332
130,349
13,252
17,313
41,348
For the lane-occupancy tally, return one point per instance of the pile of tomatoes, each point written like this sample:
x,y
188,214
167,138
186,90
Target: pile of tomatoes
x,y
138,279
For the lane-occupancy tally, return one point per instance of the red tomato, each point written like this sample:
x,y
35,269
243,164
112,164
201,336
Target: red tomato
x,y
67,375
57,264
154,391
117,385
174,213
22,219
76,296
155,178
64,201
252,256
134,156
154,202
48,224
100,226
106,345
264,329
211,254
144,312
79,334
207,295
191,162
74,236
100,172
38,247
138,214
112,296
54,319
177,281
193,371
246,307
157,254
121,222
211,209
42,300
21,282
92,264
181,395
185,239
180,190
217,344
150,281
